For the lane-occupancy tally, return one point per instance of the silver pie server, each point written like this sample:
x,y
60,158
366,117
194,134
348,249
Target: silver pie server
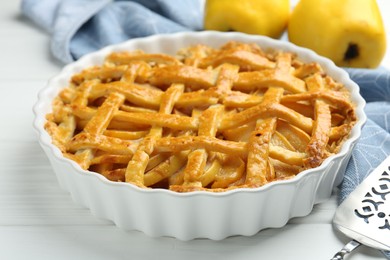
x,y
364,215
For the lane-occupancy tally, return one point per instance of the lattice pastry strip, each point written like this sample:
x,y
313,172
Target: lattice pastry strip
x,y
259,142
98,124
195,172
207,119
136,167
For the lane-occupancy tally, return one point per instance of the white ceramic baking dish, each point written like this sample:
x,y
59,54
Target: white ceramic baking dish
x,y
200,214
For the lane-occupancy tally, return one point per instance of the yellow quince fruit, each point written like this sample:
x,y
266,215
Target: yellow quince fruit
x,y
264,17
349,32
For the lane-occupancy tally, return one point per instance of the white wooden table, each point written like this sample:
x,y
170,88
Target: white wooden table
x,y
38,220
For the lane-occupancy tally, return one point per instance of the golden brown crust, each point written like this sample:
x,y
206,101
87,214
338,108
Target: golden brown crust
x,y
208,119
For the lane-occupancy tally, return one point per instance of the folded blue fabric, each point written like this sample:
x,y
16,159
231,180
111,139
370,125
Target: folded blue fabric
x,y
78,27
374,145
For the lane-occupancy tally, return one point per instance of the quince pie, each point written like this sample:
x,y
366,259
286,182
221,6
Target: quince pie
x,y
204,119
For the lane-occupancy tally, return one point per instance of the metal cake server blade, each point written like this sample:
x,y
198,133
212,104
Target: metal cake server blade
x,y
364,215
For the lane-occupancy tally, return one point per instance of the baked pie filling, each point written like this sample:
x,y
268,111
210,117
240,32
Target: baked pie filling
x,y
204,119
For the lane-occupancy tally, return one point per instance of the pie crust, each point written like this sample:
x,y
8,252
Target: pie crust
x,y
207,118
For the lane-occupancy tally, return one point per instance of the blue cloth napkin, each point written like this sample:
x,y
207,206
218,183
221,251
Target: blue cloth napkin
x,y
374,145
78,27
